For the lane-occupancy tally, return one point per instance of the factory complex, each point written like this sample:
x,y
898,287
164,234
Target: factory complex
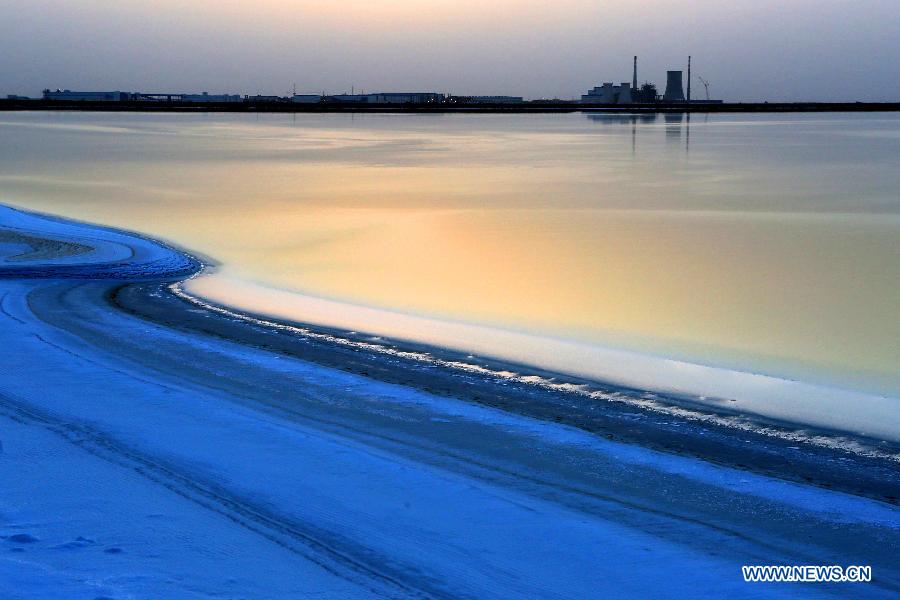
x,y
417,98
628,96
605,94
630,93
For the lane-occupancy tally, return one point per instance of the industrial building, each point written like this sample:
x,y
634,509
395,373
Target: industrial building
x,y
624,93
489,99
406,98
306,98
207,97
172,97
347,98
261,99
70,96
630,93
609,94
387,98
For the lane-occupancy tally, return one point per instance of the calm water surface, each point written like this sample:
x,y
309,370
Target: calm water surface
x,y
764,243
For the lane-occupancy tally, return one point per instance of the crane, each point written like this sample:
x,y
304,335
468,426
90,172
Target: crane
x,y
705,85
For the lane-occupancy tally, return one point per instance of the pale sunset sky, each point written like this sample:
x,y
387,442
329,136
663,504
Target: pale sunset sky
x,y
747,49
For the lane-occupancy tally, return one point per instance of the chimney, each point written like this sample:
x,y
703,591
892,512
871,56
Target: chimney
x,y
634,77
689,79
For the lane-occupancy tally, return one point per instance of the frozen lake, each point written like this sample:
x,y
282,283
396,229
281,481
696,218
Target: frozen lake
x,y
762,244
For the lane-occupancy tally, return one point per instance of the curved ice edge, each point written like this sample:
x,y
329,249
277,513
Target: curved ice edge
x,y
115,253
866,414
672,405
149,259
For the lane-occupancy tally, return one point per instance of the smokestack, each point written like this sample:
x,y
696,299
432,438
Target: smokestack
x,y
689,79
634,77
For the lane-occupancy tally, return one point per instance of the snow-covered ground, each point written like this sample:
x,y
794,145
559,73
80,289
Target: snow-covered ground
x,y
142,461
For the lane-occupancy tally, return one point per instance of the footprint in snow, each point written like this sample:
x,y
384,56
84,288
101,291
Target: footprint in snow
x,y
79,542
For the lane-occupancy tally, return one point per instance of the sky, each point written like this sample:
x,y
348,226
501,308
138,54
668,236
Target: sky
x,y
828,50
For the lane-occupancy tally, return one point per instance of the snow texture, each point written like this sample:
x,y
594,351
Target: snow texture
x,y
139,461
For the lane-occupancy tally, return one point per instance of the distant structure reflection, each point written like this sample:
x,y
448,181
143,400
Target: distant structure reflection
x,y
677,126
621,119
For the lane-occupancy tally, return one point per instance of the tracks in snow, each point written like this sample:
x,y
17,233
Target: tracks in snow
x,y
300,538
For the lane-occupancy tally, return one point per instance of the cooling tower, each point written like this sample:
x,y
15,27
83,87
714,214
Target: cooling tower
x,y
674,89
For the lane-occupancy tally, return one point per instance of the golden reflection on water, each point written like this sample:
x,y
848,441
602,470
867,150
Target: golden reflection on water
x,y
609,233
718,284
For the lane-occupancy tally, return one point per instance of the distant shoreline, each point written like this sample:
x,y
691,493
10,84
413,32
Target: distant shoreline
x,y
524,108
